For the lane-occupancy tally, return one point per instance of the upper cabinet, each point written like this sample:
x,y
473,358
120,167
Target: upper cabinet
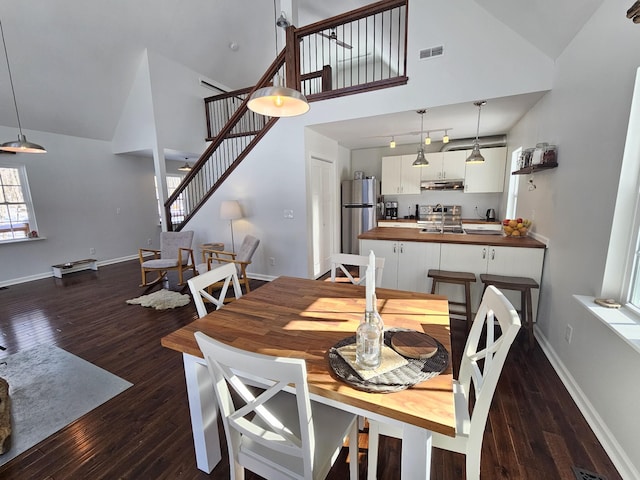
x,y
444,165
399,176
486,177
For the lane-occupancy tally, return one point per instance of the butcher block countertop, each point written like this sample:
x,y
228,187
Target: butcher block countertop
x,y
414,235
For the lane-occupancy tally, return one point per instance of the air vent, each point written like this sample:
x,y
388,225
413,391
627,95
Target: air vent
x,y
582,474
432,52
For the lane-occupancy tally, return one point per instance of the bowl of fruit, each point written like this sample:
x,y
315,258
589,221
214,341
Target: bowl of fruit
x,y
516,227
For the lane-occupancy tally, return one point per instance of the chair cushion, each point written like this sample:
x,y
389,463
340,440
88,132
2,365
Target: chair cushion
x,y
171,242
247,249
201,268
161,263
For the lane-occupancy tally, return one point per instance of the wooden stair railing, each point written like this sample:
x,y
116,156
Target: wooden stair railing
x,y
316,62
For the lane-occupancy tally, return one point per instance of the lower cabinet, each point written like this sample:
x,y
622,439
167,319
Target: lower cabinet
x,y
512,261
405,263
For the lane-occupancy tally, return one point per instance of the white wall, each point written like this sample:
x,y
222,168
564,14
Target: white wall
x,y
77,187
586,115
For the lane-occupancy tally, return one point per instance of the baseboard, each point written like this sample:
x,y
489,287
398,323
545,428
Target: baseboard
x,y
621,461
48,274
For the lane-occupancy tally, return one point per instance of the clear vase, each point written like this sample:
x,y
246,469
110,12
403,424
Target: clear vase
x,y
369,341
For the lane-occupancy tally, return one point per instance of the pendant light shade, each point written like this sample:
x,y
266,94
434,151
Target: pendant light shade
x,y
278,100
185,168
21,145
420,160
476,156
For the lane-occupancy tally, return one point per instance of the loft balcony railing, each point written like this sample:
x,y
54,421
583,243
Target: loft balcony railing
x,y
358,51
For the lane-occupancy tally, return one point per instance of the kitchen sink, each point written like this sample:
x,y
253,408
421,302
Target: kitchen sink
x,y
481,231
457,230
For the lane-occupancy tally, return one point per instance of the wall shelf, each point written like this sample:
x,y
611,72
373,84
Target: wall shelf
x,y
534,168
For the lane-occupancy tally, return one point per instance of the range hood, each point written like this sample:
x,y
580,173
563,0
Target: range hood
x,y
442,184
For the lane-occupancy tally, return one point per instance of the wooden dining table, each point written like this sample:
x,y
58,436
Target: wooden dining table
x,y
302,318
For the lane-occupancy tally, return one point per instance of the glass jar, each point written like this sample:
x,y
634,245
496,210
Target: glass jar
x,y
549,156
369,340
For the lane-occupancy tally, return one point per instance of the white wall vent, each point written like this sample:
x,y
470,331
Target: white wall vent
x,y
432,52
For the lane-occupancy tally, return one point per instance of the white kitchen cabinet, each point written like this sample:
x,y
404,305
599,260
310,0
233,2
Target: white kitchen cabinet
x,y
444,165
512,261
399,176
488,176
405,263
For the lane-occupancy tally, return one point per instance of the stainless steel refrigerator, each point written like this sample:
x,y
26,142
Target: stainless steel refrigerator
x,y
360,205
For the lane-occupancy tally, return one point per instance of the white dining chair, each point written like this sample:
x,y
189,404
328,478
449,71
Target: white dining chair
x,y
481,368
221,277
273,433
340,261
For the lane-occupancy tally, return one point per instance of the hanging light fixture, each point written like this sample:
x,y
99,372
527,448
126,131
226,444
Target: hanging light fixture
x,y
282,21
420,160
476,156
445,139
427,140
392,143
186,167
278,100
21,145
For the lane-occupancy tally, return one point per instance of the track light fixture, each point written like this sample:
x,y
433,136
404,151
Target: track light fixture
x,y
445,139
427,140
392,143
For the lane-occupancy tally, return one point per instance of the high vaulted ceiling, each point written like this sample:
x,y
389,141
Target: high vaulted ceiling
x,y
73,62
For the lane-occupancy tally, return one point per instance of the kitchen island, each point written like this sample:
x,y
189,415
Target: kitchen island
x,y
409,254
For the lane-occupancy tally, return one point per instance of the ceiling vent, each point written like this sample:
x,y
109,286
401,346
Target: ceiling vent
x,y
432,52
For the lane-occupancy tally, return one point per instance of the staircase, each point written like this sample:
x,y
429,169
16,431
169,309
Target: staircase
x,y
355,52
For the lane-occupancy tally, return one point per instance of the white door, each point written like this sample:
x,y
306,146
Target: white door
x,y
323,206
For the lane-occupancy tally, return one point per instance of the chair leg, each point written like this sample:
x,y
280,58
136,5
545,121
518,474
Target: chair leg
x,y
467,299
530,318
372,451
353,450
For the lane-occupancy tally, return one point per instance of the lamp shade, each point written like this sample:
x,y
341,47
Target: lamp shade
x,y
230,210
22,145
476,156
420,160
278,101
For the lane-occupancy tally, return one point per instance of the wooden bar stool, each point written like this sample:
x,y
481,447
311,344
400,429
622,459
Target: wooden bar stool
x,y
519,284
457,278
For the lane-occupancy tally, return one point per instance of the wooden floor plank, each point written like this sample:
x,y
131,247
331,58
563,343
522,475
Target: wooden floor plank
x,y
534,427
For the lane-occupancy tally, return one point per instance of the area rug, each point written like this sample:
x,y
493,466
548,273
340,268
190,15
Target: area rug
x,y
49,388
161,300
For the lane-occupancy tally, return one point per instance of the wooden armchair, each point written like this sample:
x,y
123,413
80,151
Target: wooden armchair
x,y
241,259
175,254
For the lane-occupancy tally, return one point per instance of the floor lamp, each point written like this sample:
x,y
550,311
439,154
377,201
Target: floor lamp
x,y
230,210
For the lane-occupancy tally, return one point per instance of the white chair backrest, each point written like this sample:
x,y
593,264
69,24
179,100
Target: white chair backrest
x,y
230,366
339,260
198,286
494,306
171,242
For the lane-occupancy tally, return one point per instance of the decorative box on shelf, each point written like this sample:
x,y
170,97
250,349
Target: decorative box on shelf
x,y
531,160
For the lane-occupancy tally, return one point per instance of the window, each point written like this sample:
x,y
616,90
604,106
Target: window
x,y
177,209
512,196
17,219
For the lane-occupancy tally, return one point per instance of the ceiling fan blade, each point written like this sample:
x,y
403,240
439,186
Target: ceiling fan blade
x,y
333,36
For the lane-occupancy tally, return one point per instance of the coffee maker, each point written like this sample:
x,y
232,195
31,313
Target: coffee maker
x,y
391,211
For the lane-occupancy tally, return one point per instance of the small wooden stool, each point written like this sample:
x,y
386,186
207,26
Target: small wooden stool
x,y
519,284
457,278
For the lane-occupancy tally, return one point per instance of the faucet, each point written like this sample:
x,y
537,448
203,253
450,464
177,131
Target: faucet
x,y
441,216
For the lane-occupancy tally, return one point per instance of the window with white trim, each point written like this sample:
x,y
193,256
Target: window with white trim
x,y
177,209
17,218
512,195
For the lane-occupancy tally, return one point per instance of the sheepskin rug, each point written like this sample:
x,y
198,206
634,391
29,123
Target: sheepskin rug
x,y
161,300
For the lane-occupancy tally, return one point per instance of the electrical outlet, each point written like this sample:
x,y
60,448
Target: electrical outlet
x,y
149,241
272,261
92,251
568,333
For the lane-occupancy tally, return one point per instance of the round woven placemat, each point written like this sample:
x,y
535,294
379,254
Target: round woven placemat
x,y
401,378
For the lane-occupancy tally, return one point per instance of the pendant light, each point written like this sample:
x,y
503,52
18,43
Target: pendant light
x,y
420,160
476,156
186,167
21,145
278,100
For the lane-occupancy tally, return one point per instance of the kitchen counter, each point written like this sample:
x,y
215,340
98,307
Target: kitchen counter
x,y
414,235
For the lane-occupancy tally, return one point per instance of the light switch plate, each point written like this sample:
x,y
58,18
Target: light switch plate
x,y
288,213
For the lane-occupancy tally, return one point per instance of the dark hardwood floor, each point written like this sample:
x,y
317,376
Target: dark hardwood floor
x,y
535,431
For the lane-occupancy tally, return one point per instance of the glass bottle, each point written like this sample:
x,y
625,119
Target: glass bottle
x,y
369,340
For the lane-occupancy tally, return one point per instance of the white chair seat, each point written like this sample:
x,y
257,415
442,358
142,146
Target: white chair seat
x,y
161,263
